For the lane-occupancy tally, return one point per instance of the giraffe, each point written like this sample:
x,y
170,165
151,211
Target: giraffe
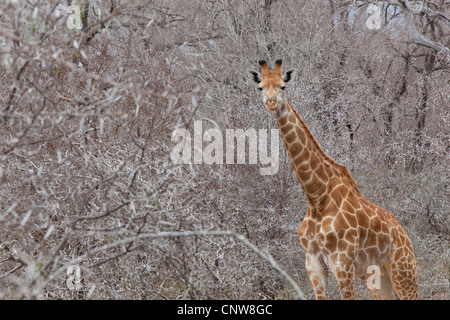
x,y
342,232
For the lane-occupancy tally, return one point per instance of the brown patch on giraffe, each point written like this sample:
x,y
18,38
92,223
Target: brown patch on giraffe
x,y
286,129
289,138
292,118
363,233
305,154
402,239
321,174
363,219
321,189
342,245
339,194
282,121
371,239
301,135
369,208
294,150
331,242
347,207
315,282
314,248
311,227
340,223
314,161
336,172
334,181
327,224
383,241
351,235
309,145
303,167
341,233
298,160
316,188
351,219
375,224
351,250
384,227
301,230
329,171
305,242
356,203
320,290
304,175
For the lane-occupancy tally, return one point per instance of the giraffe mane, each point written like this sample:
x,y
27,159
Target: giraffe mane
x,y
343,169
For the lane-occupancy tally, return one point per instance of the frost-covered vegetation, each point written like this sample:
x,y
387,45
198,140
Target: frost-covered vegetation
x,y
92,205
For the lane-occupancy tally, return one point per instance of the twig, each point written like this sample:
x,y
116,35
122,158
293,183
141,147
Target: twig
x,y
240,238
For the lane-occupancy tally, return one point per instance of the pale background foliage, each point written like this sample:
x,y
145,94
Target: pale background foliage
x,y
86,120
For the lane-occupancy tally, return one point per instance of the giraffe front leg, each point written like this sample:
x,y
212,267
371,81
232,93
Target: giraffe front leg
x,y
318,276
344,271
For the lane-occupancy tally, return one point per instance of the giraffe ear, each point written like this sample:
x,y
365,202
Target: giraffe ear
x,y
255,75
289,75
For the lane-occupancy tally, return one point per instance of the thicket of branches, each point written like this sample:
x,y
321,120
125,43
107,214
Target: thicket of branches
x,y
86,123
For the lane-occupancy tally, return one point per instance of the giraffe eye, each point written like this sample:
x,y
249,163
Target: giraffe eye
x,y
283,87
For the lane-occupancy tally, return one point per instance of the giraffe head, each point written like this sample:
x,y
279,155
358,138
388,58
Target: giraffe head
x,y
272,83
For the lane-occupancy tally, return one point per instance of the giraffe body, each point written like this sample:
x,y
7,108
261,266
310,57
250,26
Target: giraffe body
x,y
342,232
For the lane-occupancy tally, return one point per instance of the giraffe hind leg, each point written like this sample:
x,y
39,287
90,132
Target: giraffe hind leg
x,y
404,282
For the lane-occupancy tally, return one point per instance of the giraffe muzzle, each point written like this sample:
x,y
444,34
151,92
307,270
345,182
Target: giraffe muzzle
x,y
272,103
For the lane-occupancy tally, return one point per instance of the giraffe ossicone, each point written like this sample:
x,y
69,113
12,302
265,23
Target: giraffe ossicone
x,y
342,232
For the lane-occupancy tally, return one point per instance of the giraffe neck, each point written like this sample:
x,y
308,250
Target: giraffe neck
x,y
310,163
